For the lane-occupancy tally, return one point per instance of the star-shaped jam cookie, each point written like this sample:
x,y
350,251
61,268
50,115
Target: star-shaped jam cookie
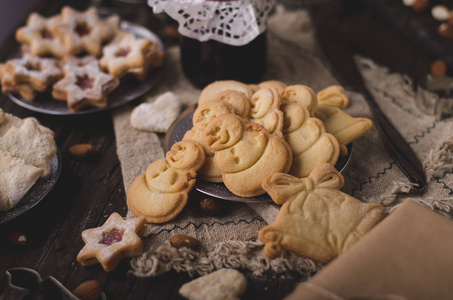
x,y
8,86
84,31
108,244
84,85
40,36
128,54
37,72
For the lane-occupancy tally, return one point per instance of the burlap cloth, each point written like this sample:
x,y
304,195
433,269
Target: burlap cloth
x,y
230,239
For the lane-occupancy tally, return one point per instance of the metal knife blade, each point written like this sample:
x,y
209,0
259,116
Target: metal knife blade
x,y
337,51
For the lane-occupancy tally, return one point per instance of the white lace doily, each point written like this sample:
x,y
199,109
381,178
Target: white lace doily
x,y
233,22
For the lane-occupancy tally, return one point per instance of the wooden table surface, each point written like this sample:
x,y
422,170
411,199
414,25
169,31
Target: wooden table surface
x,y
90,190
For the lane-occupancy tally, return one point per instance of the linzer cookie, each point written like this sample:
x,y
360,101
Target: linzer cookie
x,y
36,72
245,153
25,90
108,244
83,86
40,36
316,220
130,55
161,193
84,31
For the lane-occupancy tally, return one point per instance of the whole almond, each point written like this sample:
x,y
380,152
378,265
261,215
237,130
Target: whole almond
x,y
446,30
88,290
211,206
82,150
16,237
420,5
180,240
439,67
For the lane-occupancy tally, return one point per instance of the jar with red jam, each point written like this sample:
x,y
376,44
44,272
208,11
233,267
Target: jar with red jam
x,y
220,40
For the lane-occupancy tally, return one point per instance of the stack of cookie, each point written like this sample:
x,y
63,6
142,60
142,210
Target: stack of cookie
x,y
65,54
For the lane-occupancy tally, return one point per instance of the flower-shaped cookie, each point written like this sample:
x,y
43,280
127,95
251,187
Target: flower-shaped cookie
x,y
36,72
108,244
84,31
161,193
85,85
316,220
39,34
130,55
245,153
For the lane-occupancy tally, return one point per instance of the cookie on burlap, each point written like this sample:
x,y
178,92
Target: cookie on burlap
x,y
227,284
16,179
108,244
161,193
245,153
316,220
40,36
310,143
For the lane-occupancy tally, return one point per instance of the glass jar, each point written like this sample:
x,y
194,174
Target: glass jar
x,y
205,62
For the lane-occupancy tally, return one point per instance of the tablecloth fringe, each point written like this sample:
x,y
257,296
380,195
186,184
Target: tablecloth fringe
x,y
231,254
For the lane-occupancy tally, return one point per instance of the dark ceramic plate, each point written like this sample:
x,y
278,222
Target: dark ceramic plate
x,y
218,190
37,192
128,90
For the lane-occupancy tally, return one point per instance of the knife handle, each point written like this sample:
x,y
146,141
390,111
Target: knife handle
x,y
397,146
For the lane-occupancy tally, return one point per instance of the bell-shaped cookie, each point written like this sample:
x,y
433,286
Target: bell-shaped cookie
x,y
316,220
161,193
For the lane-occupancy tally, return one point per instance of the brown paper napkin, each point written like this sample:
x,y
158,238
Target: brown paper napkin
x,y
409,255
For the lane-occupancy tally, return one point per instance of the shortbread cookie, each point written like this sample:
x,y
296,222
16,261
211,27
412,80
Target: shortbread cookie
x,y
158,115
211,90
316,220
245,153
238,100
344,127
333,95
161,193
265,110
204,113
40,36
130,55
306,136
221,284
280,86
301,94
84,31
8,86
36,72
108,244
16,179
35,146
83,86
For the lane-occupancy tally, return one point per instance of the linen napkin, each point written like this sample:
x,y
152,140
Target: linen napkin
x,y
406,256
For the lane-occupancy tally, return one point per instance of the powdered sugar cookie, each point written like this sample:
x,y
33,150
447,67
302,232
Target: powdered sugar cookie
x,y
108,244
86,85
39,73
8,86
161,193
40,36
